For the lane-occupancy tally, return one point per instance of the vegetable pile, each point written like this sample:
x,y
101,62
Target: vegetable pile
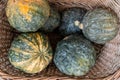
x,y
32,51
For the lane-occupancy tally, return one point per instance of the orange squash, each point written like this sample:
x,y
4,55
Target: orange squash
x,y
27,15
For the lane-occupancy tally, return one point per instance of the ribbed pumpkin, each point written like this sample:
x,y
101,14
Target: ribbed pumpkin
x,y
74,55
52,22
30,52
70,20
100,25
27,15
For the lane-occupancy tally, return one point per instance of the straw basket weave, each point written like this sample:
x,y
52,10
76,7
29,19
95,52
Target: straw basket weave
x,y
108,60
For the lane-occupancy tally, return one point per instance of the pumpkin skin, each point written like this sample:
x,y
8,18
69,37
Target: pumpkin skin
x,y
100,25
69,19
52,22
30,52
27,15
74,55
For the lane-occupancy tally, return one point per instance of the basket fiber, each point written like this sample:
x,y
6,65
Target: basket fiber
x,y
107,66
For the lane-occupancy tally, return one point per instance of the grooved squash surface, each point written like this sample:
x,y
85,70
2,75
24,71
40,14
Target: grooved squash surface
x,y
27,15
30,52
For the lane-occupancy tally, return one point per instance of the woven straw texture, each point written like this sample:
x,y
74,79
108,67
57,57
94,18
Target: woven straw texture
x,y
108,60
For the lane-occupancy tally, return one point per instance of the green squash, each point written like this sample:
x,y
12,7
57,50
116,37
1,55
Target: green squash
x,y
27,15
30,52
70,20
100,25
74,55
52,22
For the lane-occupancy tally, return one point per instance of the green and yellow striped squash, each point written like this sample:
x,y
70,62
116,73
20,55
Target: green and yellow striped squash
x,y
30,52
27,15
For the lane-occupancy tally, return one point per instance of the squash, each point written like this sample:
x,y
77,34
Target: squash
x,y
100,25
74,55
27,15
52,22
30,52
70,19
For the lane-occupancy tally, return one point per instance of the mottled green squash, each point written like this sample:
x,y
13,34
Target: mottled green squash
x,y
70,20
30,52
100,25
52,22
27,15
74,55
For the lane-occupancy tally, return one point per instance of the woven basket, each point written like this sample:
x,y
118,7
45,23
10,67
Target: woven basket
x,y
108,61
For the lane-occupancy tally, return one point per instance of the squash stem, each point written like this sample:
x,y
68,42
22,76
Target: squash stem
x,y
78,24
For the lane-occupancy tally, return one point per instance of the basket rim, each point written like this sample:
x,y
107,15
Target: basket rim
x,y
113,76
